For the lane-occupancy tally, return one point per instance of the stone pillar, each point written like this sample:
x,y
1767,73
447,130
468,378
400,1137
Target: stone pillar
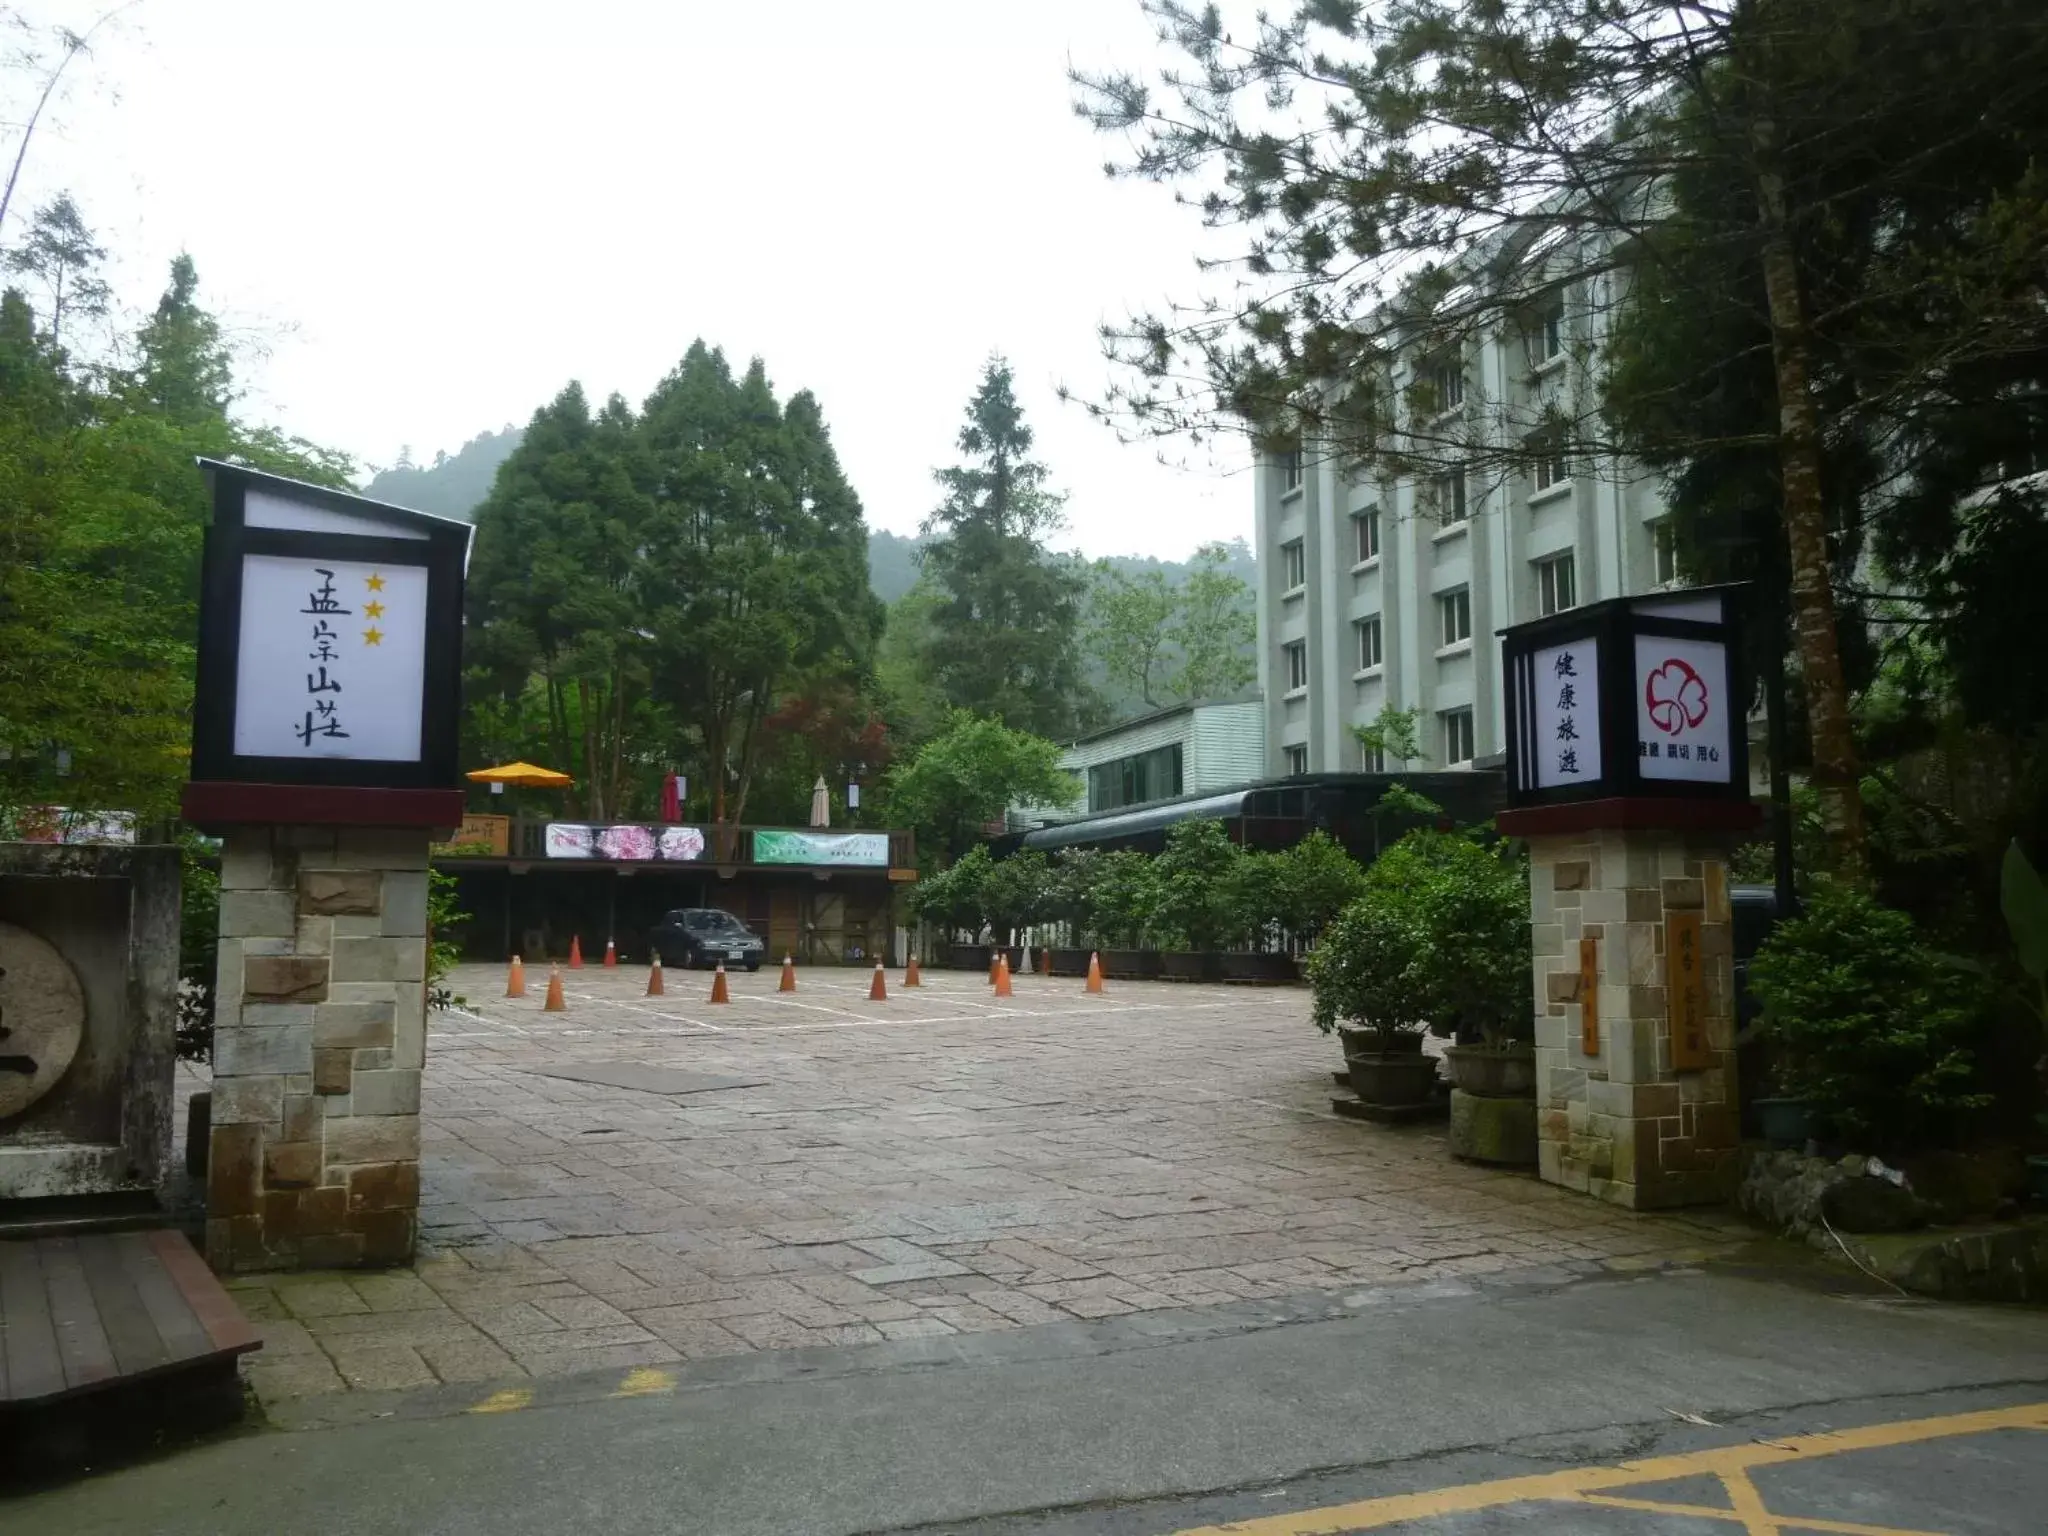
x,y
319,1039
1638,1119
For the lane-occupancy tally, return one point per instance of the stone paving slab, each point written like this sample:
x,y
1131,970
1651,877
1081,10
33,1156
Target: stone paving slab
x,y
943,1163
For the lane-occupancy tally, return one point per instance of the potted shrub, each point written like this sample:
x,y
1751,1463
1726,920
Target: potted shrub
x,y
1122,908
1071,905
1362,994
1315,879
1013,897
1251,897
1187,906
951,901
1871,1029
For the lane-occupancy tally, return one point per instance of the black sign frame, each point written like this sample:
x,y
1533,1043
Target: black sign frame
x,y
1613,626
443,552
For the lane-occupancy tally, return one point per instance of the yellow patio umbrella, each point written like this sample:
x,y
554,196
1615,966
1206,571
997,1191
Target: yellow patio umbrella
x,y
524,774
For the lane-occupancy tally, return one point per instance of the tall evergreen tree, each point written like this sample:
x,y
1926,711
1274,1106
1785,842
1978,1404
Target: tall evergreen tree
x,y
183,370
552,598
757,576
1004,637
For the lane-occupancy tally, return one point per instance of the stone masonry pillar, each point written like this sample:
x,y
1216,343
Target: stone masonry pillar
x,y
319,1040
1635,1058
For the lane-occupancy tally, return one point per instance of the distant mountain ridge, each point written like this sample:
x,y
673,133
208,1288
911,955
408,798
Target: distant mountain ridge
x,y
455,484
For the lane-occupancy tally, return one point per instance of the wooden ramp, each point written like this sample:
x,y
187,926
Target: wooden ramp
x,y
107,1341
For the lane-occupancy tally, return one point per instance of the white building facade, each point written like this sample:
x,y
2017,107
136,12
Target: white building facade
x,y
1185,749
1380,591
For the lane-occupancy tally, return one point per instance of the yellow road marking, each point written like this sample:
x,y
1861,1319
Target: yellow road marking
x,y
1711,1512
1708,1512
508,1401
1731,1463
645,1381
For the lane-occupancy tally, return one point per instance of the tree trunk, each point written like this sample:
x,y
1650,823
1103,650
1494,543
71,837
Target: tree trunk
x,y
1816,642
592,775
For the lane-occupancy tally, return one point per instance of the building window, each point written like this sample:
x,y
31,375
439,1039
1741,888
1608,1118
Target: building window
x,y
1296,758
1664,551
1134,780
1371,759
1290,470
1368,632
1297,664
1557,584
1552,463
1293,565
1457,736
1447,495
1545,334
1444,378
1365,533
1454,616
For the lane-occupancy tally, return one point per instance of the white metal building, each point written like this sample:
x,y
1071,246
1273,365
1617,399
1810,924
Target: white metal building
x,y
1185,749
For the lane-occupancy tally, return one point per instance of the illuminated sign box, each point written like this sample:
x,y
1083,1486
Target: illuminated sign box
x,y
330,657
1638,697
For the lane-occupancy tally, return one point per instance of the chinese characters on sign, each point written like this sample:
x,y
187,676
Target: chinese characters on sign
x,y
332,659
1686,991
1567,714
1682,709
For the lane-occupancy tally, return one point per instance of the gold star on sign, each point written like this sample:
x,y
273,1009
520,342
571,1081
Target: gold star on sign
x,y
373,636
374,610
374,582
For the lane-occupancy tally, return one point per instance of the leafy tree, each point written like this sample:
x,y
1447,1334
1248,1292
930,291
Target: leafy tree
x,y
968,775
1004,634
1412,178
1215,629
913,700
1130,617
62,257
1157,638
1393,736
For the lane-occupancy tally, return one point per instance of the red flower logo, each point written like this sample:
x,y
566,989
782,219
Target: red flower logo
x,y
1676,696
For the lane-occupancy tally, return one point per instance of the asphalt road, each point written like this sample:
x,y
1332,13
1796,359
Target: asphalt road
x,y
1349,1405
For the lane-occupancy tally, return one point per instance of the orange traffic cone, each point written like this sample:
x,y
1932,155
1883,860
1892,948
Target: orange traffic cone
x,y
719,994
611,954
788,982
654,987
912,976
1094,973
1003,977
515,979
556,1003
575,952
878,989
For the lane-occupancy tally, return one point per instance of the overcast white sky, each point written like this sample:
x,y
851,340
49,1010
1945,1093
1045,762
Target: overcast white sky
x,y
442,210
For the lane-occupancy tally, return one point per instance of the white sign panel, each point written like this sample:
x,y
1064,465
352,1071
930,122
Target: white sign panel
x,y
1683,712
1567,714
333,659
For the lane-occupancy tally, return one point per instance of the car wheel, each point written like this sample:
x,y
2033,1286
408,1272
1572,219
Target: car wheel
x,y
753,966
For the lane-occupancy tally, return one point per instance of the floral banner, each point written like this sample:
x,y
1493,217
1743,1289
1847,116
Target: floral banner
x,y
628,842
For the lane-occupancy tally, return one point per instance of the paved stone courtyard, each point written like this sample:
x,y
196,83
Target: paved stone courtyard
x,y
944,1162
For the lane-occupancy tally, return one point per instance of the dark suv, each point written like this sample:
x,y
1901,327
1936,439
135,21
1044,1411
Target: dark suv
x,y
704,936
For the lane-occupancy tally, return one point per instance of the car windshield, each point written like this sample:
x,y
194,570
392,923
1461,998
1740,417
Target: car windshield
x,y
715,922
